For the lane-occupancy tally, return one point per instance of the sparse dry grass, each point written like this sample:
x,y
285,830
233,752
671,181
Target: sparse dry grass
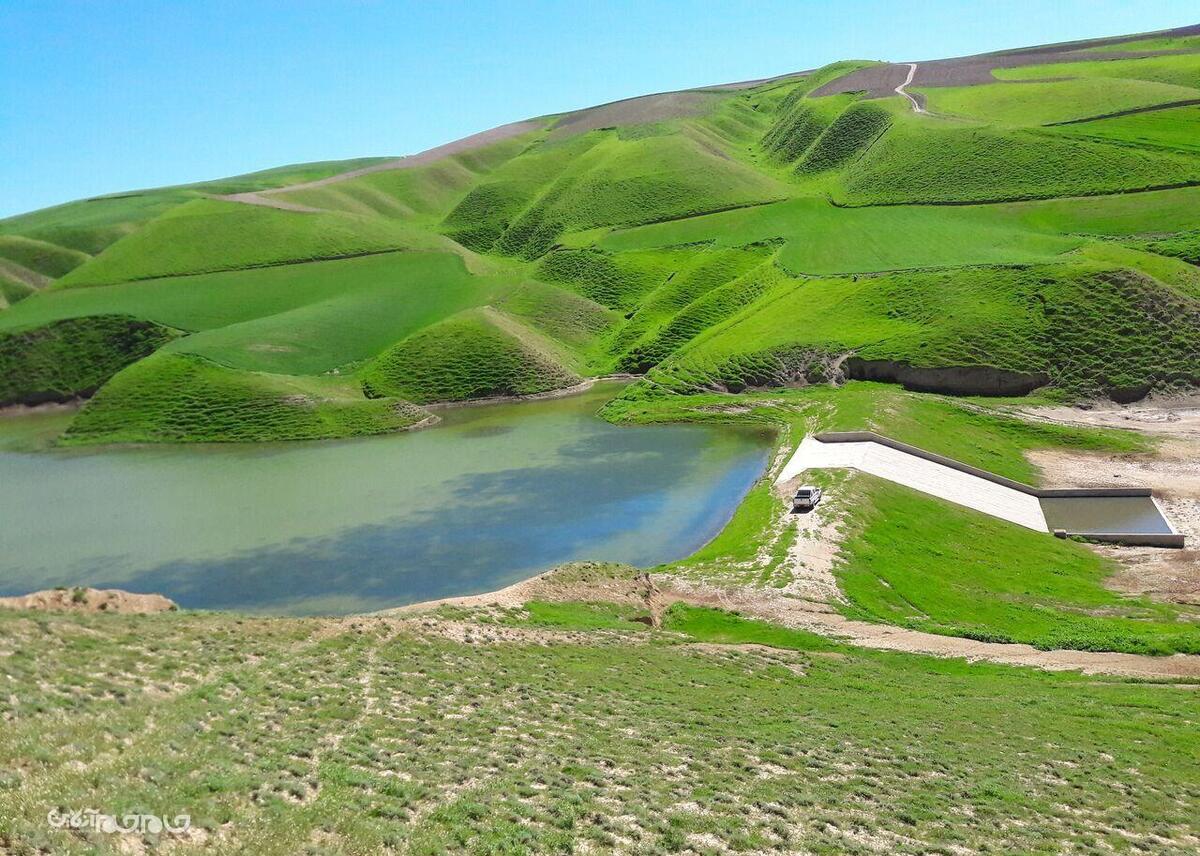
x,y
544,730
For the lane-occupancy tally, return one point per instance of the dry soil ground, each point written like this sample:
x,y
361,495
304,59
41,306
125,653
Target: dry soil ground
x,y
1173,472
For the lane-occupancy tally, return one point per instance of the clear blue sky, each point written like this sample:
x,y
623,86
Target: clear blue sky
x,y
98,97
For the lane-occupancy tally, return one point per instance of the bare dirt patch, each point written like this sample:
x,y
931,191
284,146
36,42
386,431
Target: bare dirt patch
x,y
1173,472
90,600
578,581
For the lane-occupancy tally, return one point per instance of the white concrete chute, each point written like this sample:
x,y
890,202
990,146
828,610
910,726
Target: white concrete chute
x,y
930,477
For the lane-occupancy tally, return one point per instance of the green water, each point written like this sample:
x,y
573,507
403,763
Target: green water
x,y
493,495
1091,515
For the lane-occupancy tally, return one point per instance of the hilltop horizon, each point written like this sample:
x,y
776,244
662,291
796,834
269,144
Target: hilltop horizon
x,y
253,144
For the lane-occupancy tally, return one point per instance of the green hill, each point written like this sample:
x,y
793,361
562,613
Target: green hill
x,y
476,354
1035,226
173,398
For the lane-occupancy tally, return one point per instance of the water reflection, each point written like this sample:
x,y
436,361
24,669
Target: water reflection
x,y
494,495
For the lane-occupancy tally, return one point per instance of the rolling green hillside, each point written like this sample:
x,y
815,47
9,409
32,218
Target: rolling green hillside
x,y
477,354
1017,235
182,398
809,253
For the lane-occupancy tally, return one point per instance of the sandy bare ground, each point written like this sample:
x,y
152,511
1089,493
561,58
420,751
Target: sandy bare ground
x,y
826,621
587,581
1173,472
793,609
261,198
483,138
90,600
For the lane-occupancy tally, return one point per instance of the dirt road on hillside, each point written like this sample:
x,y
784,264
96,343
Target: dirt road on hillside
x,y
912,69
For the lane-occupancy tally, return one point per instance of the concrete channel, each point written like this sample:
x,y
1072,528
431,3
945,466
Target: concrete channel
x,y
1122,515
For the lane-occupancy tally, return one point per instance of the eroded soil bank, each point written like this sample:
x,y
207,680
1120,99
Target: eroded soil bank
x,y
1173,472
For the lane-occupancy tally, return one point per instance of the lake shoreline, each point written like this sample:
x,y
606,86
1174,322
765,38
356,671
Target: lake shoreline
x,y
501,493
562,392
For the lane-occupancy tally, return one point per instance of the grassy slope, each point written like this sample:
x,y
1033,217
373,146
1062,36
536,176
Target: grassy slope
x,y
420,193
821,239
294,319
374,735
709,287
1158,43
282,176
475,354
598,179
47,259
929,159
360,738
567,318
969,431
90,225
214,300
172,398
1029,103
17,283
916,561
210,235
73,357
919,562
677,293
1119,215
1090,328
1176,70
1170,129
373,302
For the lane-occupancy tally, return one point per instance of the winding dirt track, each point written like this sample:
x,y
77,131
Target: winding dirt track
x,y
912,70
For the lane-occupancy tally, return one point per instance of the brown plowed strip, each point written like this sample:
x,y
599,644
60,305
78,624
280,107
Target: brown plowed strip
x,y
260,198
880,81
636,111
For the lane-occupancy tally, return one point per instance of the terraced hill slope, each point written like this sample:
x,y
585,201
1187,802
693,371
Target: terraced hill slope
x,y
1032,228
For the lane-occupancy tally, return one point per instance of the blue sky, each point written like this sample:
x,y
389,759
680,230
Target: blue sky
x,y
98,97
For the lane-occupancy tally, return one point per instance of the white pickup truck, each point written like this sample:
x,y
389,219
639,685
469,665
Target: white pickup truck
x,y
806,498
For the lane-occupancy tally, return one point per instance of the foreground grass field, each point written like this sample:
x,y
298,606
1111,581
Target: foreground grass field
x,y
566,726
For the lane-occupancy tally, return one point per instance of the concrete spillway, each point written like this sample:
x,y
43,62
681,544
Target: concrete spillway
x,y
1122,515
